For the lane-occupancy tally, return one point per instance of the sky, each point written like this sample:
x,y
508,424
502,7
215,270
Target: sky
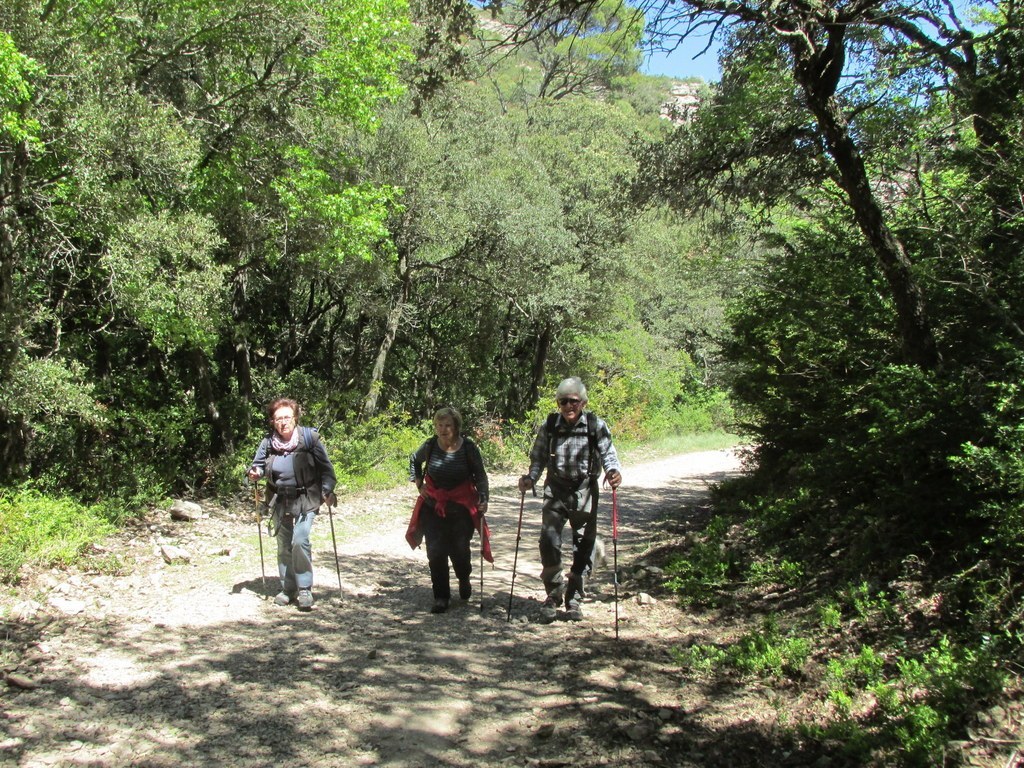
x,y
681,62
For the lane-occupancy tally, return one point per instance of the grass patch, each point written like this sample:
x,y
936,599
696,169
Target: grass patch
x,y
763,652
44,531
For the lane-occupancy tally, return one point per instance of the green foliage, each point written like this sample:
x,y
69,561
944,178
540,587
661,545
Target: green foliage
x,y
700,575
374,453
830,615
763,652
867,605
504,444
573,50
647,388
49,392
771,571
163,274
38,530
994,469
352,215
362,46
16,74
907,706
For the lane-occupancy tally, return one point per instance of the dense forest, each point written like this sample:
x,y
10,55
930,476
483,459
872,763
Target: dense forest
x,y
379,209
206,205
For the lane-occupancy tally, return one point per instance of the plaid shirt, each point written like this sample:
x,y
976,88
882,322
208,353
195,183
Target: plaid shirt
x,y
572,450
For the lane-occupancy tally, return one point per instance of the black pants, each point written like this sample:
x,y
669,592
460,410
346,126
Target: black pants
x,y
576,504
447,539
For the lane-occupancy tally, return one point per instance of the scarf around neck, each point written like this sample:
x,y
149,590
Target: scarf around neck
x,y
285,446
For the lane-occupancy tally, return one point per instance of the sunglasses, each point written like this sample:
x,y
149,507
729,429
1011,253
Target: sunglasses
x,y
569,401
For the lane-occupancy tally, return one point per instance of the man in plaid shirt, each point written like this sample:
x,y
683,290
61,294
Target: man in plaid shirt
x,y
573,445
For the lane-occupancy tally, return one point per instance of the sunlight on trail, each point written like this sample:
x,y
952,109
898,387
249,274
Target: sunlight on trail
x,y
194,665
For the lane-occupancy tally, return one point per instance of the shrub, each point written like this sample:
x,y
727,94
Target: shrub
x,y
45,531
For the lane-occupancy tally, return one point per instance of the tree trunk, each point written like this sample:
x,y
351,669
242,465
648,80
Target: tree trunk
x,y
540,359
390,332
242,357
13,434
817,73
207,402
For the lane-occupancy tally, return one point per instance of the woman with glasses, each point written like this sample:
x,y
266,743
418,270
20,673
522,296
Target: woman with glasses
x,y
449,472
574,445
300,477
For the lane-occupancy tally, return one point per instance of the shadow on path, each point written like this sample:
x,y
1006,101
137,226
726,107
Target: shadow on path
x,y
370,677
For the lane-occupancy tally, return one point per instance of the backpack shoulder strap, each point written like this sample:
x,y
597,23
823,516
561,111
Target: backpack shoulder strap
x,y
551,427
595,458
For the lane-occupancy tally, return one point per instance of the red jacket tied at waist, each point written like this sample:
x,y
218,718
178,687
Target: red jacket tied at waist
x,y
465,495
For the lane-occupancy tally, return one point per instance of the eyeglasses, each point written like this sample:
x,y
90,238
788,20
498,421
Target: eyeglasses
x,y
283,419
569,401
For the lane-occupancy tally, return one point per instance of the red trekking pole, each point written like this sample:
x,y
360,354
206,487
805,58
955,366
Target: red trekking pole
x,y
615,556
483,525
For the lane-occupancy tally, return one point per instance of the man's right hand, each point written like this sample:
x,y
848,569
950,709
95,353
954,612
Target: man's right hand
x,y
525,483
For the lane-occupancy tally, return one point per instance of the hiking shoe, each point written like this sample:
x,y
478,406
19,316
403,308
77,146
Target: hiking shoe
x,y
465,589
574,611
282,598
440,605
305,599
549,610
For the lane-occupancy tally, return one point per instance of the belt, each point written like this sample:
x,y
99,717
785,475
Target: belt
x,y
289,491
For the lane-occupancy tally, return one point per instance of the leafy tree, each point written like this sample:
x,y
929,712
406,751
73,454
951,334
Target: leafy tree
x,y
576,49
475,214
185,154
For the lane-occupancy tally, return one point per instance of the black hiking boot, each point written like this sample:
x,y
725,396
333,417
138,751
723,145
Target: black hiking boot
x,y
440,605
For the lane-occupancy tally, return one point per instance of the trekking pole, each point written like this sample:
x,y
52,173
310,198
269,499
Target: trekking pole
x,y
483,527
615,556
334,543
259,532
515,560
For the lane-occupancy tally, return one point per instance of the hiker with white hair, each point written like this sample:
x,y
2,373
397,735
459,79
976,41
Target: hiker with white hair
x,y
573,445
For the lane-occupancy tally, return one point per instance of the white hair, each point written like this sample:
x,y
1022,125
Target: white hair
x,y
572,386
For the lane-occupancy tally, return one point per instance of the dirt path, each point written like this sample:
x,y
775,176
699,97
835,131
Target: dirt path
x,y
189,664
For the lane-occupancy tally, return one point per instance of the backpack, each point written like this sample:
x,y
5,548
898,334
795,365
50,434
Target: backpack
x,y
593,462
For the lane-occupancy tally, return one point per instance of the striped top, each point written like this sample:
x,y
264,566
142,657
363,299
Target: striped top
x,y
448,470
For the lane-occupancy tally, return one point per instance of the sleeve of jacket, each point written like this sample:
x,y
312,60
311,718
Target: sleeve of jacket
x,y
539,453
606,449
259,461
416,460
328,480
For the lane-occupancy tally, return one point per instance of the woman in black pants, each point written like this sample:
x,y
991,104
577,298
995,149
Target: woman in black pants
x,y
449,472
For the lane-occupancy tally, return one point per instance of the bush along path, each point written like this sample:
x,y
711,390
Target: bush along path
x,y
182,658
